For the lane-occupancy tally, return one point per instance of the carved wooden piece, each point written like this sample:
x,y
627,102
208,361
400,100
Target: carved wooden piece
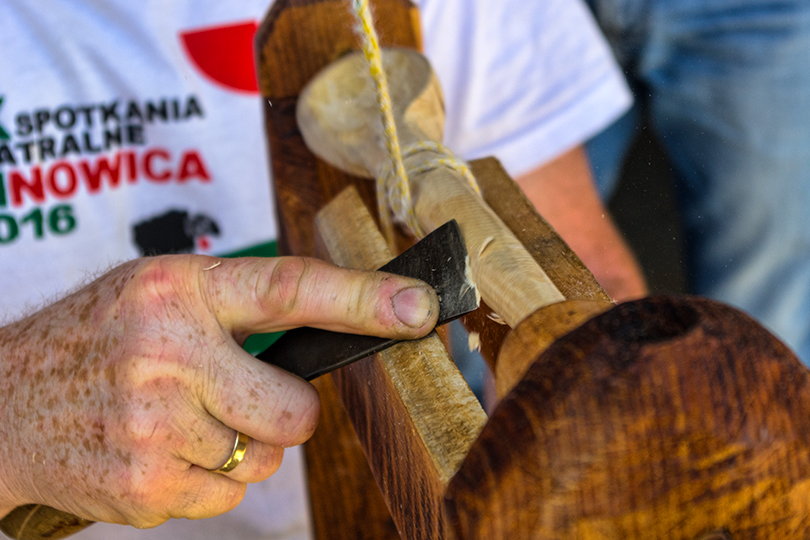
x,y
535,334
662,418
296,39
571,277
667,436
341,122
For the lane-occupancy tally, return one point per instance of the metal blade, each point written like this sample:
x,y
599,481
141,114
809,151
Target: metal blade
x,y
439,259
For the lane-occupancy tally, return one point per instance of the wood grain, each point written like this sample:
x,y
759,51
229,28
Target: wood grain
x,y
535,334
295,40
562,265
412,410
336,468
339,116
672,418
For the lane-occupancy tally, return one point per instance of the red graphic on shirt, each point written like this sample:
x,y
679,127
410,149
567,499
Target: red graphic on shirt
x,y
203,243
224,54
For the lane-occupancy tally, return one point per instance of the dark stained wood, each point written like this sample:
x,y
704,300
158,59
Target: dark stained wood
x,y
295,41
666,418
535,334
661,418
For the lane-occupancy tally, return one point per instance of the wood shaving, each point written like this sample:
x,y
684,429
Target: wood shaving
x,y
212,266
469,283
496,318
485,244
474,341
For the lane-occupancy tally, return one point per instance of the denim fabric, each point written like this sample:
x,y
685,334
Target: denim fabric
x,y
726,85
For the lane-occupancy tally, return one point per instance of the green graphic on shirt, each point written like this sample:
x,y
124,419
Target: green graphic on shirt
x,y
4,136
258,342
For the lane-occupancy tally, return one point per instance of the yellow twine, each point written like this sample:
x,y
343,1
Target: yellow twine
x,y
373,54
393,187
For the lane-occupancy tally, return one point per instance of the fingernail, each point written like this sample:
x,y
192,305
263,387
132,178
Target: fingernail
x,y
413,306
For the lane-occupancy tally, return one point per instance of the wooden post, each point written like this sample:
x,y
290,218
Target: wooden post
x,y
296,39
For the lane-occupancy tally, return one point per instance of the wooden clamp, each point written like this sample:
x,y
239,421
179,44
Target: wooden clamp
x,y
661,418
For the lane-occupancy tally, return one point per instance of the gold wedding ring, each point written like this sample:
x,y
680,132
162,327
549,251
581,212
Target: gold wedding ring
x,y
237,454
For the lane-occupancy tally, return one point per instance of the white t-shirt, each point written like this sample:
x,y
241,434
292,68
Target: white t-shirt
x,y
135,127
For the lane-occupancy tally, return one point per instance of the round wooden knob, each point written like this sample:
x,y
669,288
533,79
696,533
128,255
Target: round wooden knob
x,y
661,418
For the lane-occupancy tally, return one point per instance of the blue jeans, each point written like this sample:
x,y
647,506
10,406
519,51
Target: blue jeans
x,y
726,86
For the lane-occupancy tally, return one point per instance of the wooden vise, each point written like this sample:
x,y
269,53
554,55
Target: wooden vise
x,y
659,418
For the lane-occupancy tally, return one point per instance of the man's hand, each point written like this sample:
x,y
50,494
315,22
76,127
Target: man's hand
x,y
119,398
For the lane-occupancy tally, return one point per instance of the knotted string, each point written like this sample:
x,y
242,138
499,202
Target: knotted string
x,y
393,185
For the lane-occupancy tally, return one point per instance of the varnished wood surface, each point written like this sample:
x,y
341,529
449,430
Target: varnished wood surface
x,y
535,334
667,418
296,39
412,410
661,418
336,467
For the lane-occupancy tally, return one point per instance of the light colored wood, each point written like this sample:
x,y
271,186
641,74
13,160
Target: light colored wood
x,y
571,277
562,265
339,119
412,410
624,428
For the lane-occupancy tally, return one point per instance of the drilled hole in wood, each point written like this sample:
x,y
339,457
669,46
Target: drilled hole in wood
x,y
651,321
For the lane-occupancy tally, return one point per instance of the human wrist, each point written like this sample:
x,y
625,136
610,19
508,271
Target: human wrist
x,y
10,465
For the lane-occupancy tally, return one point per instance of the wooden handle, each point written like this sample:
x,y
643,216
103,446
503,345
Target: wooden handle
x,y
410,407
40,522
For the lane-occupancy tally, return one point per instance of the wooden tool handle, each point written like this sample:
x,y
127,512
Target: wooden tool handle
x,y
40,522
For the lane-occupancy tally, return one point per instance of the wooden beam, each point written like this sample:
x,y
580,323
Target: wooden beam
x,y
295,40
412,410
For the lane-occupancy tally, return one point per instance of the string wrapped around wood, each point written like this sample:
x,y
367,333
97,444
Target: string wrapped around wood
x,y
393,185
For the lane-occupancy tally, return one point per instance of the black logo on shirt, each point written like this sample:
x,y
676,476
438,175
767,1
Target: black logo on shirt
x,y
176,231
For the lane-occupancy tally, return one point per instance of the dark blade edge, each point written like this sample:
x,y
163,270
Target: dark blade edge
x,y
438,259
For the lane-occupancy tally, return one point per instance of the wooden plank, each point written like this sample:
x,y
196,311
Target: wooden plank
x,y
336,469
412,410
295,40
561,264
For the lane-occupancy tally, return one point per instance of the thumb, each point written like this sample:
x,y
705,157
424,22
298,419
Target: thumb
x,y
252,295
